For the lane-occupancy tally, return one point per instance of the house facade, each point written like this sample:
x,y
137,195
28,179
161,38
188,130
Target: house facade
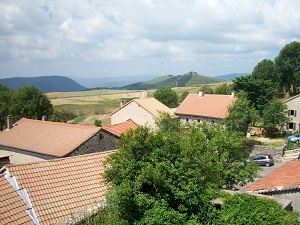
x,y
143,111
293,105
204,107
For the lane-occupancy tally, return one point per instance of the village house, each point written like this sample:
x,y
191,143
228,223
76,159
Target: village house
x,y
143,111
293,105
281,184
196,108
31,140
58,191
110,134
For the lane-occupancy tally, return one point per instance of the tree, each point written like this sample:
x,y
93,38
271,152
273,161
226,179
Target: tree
x,y
5,96
250,209
98,123
207,89
30,102
224,89
168,176
287,63
62,116
259,92
183,95
241,114
167,96
265,70
274,116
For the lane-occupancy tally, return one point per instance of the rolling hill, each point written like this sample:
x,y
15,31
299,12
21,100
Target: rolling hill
x,y
43,83
231,76
185,80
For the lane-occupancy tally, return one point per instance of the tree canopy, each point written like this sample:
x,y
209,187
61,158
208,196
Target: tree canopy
x,y
169,176
167,96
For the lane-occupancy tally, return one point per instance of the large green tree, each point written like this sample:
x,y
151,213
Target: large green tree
x,y
241,114
169,176
274,116
167,96
224,89
287,63
30,102
260,92
5,96
265,70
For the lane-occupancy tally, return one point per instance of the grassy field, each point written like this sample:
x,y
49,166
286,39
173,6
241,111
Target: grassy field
x,y
98,104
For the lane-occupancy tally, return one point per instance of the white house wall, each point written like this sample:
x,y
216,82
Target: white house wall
x,y
134,112
294,104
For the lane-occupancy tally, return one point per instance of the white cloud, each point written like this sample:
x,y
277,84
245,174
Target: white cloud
x,y
110,37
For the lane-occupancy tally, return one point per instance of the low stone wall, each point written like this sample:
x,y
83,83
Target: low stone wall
x,y
277,152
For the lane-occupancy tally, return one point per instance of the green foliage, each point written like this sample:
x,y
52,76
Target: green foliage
x,y
274,116
168,176
79,119
30,102
207,89
249,209
241,114
98,123
265,70
62,116
167,96
183,95
5,96
259,92
287,63
224,89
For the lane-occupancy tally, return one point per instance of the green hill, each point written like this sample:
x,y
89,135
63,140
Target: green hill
x,y
185,80
43,83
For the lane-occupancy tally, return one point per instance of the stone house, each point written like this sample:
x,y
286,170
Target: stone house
x,y
143,111
57,191
196,108
110,134
31,140
282,184
293,105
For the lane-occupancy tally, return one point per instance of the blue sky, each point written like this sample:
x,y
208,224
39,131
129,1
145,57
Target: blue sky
x,y
102,38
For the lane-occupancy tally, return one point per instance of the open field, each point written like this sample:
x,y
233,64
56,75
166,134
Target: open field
x,y
98,104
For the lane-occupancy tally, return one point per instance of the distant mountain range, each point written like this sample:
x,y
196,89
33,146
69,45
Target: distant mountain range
x,y
65,84
43,83
185,80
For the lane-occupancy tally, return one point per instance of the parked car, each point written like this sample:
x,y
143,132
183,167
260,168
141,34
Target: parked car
x,y
294,138
251,132
263,160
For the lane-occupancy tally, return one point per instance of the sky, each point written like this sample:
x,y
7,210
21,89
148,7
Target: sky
x,y
105,38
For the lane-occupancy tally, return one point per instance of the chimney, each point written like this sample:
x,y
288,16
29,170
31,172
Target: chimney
x,y
201,93
121,103
9,122
232,95
44,118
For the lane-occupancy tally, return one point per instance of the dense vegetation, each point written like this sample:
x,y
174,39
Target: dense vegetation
x,y
173,174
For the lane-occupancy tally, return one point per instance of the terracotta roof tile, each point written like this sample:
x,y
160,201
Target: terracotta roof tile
x,y
152,105
51,138
12,207
118,129
215,106
60,187
286,176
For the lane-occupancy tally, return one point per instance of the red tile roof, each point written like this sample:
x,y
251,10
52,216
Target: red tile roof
x,y
291,98
151,105
44,137
12,207
118,129
60,187
209,105
285,177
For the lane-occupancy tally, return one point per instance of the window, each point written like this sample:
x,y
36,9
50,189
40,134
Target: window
x,y
101,136
292,112
187,119
291,126
198,120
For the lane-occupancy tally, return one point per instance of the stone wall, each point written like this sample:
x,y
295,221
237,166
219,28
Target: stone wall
x,y
101,141
277,152
194,119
